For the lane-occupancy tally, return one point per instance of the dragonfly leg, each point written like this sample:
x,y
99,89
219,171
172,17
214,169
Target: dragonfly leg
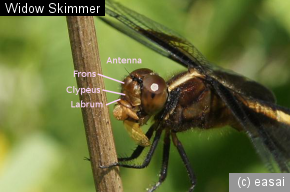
x,y
136,153
148,156
163,173
171,103
185,160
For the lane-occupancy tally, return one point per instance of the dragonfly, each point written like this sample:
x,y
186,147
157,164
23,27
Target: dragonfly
x,y
204,96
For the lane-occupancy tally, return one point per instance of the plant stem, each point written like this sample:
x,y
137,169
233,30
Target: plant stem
x,y
96,120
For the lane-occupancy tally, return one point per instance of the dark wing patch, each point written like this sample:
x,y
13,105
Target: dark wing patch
x,y
275,135
242,85
269,136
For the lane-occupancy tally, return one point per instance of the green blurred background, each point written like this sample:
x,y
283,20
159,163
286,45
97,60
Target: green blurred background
x,y
42,139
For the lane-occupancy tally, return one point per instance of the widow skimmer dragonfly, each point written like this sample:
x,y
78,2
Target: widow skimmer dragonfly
x,y
203,96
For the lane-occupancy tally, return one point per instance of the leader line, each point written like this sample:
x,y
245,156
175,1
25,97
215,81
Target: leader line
x,y
113,102
113,92
111,78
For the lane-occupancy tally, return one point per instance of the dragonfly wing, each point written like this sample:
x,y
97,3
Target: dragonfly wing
x,y
155,36
267,125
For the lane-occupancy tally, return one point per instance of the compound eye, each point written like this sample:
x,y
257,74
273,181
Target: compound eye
x,y
154,94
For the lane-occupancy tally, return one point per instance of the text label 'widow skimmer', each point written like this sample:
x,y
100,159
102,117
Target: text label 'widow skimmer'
x,y
204,96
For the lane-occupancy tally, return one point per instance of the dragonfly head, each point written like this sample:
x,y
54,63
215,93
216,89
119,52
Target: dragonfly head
x,y
145,95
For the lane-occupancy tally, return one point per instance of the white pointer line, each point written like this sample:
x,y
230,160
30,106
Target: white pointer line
x,y
113,102
114,92
111,78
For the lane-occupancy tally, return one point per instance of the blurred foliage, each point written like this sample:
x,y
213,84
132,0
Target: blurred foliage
x,y
42,139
